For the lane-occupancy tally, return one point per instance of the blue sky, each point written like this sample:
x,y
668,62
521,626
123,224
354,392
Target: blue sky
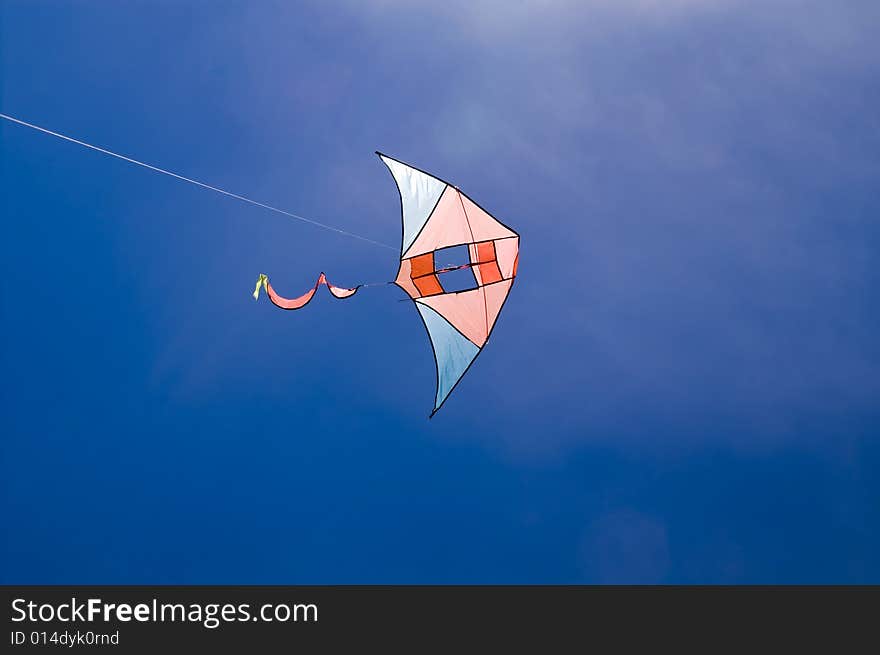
x,y
682,388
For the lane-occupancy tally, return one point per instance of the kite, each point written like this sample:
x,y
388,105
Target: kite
x,y
436,216
436,219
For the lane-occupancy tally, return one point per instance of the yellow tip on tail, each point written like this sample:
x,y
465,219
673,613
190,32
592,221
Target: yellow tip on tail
x,y
261,281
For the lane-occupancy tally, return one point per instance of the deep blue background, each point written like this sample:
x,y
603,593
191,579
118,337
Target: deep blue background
x,y
683,386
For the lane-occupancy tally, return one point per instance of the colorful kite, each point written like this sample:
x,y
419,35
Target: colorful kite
x,y
435,216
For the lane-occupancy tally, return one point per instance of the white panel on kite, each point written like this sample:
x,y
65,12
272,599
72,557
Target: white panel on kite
x,y
419,193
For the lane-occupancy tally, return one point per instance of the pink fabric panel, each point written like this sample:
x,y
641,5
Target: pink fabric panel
x,y
466,311
404,281
495,296
340,292
446,227
505,252
484,227
290,303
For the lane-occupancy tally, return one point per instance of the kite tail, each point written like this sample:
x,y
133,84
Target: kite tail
x,y
298,303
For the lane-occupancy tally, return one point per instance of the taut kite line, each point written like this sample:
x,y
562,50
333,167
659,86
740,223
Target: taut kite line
x,y
435,215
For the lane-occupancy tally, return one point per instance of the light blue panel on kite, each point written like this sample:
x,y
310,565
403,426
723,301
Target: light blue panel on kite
x,y
419,193
453,352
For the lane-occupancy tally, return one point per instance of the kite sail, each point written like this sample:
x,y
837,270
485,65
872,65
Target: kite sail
x,y
436,219
437,215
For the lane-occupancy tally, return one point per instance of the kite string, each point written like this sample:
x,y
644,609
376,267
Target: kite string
x,y
197,183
